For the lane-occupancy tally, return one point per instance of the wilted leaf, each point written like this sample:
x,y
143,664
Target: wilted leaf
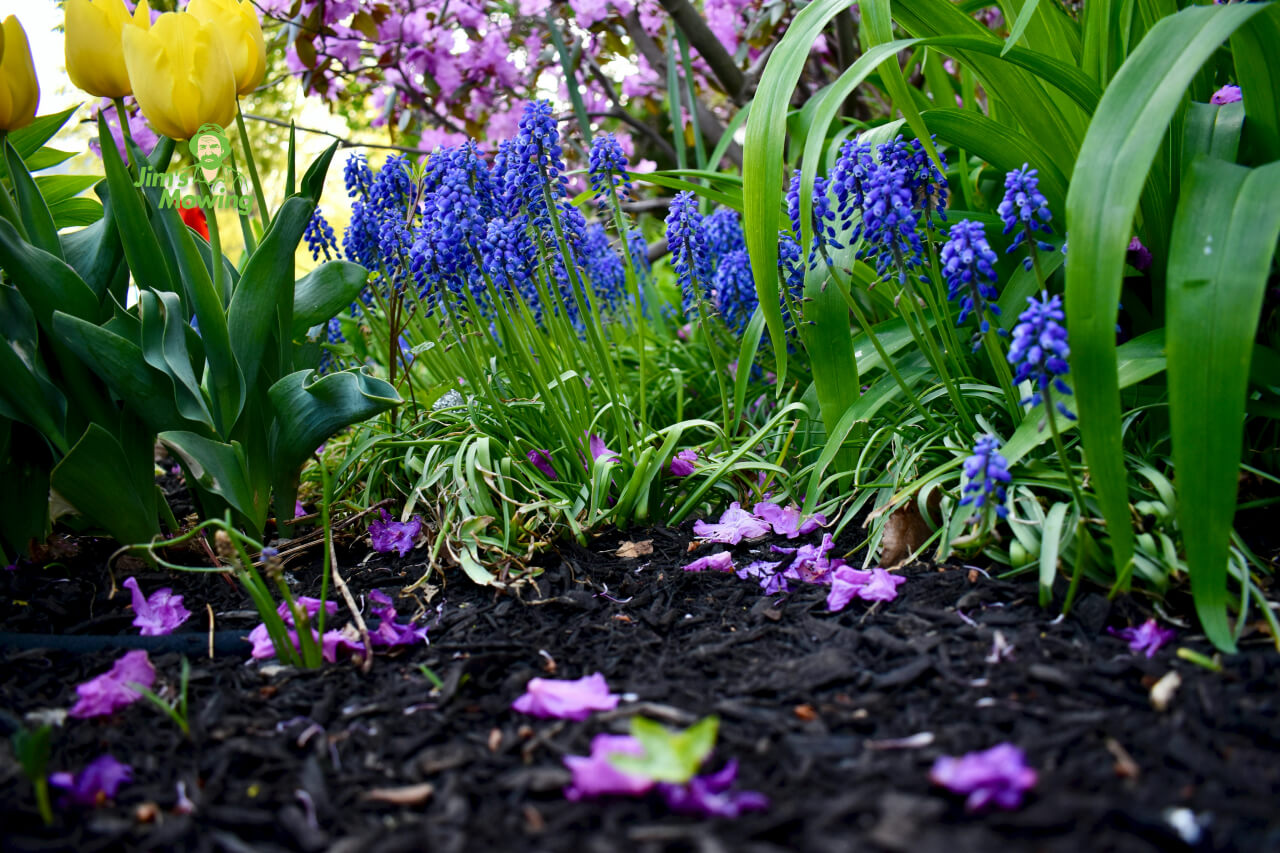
x,y
905,531
633,550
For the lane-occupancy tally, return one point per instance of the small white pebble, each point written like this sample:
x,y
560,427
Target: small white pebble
x,y
1162,691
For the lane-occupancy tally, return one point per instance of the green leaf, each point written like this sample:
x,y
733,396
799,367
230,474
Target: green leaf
x,y
1213,131
1253,49
669,756
309,408
1050,546
31,205
141,247
25,461
28,140
313,180
1020,25
265,285
1107,183
164,346
94,252
45,281
27,394
219,469
97,478
1224,236
73,212
323,292
57,188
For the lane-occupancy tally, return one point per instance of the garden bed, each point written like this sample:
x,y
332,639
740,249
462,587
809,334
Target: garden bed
x,y
813,706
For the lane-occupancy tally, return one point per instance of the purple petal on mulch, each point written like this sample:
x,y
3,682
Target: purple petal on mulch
x,y
735,525
307,603
883,586
709,796
721,562
110,692
387,535
766,573
845,583
95,784
811,563
566,700
997,776
1146,638
786,521
389,632
158,614
595,776
298,509
330,643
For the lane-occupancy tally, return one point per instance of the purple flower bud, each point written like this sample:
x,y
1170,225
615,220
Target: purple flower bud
x,y
1228,94
541,460
683,463
1138,256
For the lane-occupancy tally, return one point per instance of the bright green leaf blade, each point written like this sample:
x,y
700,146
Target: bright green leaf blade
x,y
1020,25
309,408
32,208
1224,237
1253,49
218,469
97,478
323,292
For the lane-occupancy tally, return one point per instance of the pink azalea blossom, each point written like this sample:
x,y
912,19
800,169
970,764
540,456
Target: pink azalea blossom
x,y
722,562
110,692
595,776
398,536
786,521
541,460
1147,638
811,563
735,525
683,463
330,643
1228,94
95,784
160,613
309,605
771,581
566,700
710,795
997,776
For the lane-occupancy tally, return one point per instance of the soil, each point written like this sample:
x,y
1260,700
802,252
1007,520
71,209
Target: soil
x,y
810,704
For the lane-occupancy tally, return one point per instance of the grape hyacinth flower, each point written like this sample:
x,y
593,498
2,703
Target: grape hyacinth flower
x,y
608,170
160,613
541,460
735,525
735,290
566,700
1147,638
927,184
683,463
822,219
1039,350
721,562
722,230
710,795
1228,94
966,260
987,472
595,775
109,692
94,785
889,222
849,182
998,776
320,237
387,535
787,521
1025,208
687,242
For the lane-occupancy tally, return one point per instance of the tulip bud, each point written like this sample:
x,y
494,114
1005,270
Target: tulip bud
x,y
19,91
95,58
236,24
181,75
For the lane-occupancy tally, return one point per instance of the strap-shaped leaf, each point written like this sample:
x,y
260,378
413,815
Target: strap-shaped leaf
x,y
94,251
141,247
146,391
1224,236
219,469
323,292
98,479
309,408
1253,49
31,205
266,284
313,180
45,281
164,347
27,394
1212,131
1106,185
29,139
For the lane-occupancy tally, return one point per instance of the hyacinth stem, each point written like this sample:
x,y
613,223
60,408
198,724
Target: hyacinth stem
x,y
1061,450
263,214
939,305
844,286
1000,364
637,303
913,316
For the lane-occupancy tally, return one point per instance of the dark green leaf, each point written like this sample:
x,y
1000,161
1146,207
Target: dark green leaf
x,y
323,292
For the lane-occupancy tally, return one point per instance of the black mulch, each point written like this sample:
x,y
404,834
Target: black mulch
x,y
285,760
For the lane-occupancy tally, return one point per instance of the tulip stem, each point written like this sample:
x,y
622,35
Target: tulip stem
x,y
253,168
215,241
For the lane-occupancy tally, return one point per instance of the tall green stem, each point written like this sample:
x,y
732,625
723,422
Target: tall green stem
x,y
263,213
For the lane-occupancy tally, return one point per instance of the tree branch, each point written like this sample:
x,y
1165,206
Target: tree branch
x,y
704,41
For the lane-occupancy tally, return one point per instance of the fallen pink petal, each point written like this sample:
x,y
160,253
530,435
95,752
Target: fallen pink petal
x,y
721,562
399,536
713,795
735,525
109,692
787,521
390,632
157,614
93,786
683,463
566,700
1147,639
998,776
595,776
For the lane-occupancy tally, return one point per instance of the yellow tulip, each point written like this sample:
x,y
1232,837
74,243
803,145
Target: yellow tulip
x,y
95,59
181,75
236,23
19,91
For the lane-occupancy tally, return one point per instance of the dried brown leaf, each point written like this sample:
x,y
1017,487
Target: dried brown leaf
x,y
905,531
633,550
